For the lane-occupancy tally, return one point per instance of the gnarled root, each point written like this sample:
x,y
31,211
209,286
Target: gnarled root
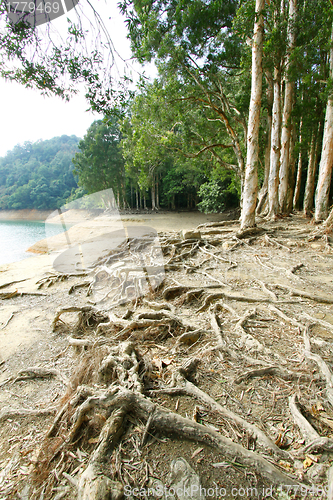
x,y
93,483
168,422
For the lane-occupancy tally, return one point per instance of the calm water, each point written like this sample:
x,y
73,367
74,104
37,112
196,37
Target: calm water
x,y
17,236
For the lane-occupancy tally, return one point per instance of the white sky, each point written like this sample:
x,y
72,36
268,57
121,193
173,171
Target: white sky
x,y
28,116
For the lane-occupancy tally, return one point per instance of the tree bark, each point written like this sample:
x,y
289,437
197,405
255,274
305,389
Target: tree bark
x,y
310,179
287,109
292,168
262,198
299,172
153,194
273,181
326,162
251,170
309,187
157,194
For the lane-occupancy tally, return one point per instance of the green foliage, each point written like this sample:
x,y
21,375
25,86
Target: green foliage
x,y
99,164
218,194
38,175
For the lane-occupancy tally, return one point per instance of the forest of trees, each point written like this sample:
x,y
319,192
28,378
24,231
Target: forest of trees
x,y
241,110
38,175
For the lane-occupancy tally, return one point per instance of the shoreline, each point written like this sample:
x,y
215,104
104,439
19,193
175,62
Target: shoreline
x,y
27,214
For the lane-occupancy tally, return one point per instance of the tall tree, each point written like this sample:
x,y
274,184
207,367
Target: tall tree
x,y
326,162
251,170
284,176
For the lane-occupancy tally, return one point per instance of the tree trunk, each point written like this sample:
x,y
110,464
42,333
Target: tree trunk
x,y
157,195
137,198
251,170
326,162
299,172
273,181
310,179
262,198
292,163
173,202
287,109
144,201
153,204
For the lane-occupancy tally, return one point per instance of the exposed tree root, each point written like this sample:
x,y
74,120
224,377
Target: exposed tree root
x,y
284,316
38,372
317,321
93,484
273,241
276,371
167,422
323,367
11,283
181,385
8,320
54,278
6,413
151,348
307,295
253,231
219,224
319,445
306,429
89,317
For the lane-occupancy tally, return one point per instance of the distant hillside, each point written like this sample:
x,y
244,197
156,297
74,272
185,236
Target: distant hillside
x,y
38,175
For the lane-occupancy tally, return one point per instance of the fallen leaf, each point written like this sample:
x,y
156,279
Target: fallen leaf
x,y
196,452
307,462
93,440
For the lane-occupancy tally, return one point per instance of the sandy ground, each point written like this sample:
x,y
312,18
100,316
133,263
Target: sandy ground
x,y
25,328
261,290
83,225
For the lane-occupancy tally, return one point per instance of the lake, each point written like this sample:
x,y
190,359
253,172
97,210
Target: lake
x,y
16,236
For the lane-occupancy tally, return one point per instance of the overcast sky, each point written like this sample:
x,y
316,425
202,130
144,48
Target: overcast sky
x,y
28,116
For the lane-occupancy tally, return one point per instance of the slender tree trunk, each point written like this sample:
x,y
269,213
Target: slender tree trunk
x,y
273,181
251,170
137,198
287,109
157,194
153,198
310,179
263,193
292,168
326,162
144,201
329,221
299,172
